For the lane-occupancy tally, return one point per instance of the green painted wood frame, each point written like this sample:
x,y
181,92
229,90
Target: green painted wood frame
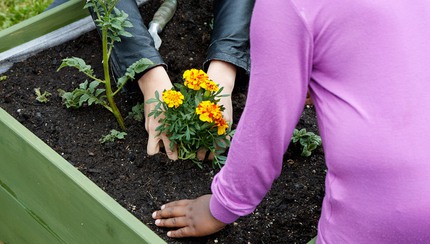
x,y
44,199
313,241
42,24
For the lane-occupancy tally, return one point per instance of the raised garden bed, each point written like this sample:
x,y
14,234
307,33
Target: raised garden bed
x,y
46,200
140,183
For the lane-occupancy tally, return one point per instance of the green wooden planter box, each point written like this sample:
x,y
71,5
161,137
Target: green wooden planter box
x,y
44,199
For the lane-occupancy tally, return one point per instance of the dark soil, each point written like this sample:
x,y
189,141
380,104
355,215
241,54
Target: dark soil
x,y
288,214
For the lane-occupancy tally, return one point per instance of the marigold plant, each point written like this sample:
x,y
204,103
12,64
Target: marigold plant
x,y
192,117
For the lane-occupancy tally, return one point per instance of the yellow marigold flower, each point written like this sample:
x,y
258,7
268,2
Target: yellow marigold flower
x,y
209,85
193,78
208,111
222,126
172,98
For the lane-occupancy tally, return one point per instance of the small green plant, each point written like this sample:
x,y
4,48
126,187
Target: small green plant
x,y
41,97
112,136
137,112
112,23
3,77
192,118
308,140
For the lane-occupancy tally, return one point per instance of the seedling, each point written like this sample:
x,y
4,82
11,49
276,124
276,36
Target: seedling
x,y
42,97
112,136
308,140
137,112
112,23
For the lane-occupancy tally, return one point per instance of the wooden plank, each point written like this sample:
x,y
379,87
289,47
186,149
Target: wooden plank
x,y
13,225
44,190
313,241
42,24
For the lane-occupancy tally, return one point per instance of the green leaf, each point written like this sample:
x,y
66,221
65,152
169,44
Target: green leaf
x,y
121,81
125,34
127,24
308,140
112,136
83,85
157,107
160,128
83,99
93,85
306,153
137,112
99,92
187,134
221,143
76,63
141,65
91,100
151,100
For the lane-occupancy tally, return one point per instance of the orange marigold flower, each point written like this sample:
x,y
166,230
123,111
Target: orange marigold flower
x,y
194,78
209,85
173,98
208,111
222,126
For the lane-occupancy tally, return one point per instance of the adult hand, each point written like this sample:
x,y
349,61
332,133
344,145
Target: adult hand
x,y
223,74
191,218
156,79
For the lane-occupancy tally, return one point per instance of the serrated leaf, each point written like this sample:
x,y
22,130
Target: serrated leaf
x,y
121,81
99,91
93,85
76,63
83,99
91,100
125,33
127,24
84,85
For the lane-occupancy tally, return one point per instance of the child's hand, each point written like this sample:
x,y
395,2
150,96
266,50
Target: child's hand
x,y
189,217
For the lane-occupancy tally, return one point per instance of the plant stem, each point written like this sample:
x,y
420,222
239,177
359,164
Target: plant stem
x,y
109,93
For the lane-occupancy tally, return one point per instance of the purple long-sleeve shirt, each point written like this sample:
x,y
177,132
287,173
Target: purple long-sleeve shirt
x,y
367,64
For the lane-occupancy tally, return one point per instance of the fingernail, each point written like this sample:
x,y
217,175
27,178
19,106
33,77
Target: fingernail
x,y
162,207
154,214
157,222
169,234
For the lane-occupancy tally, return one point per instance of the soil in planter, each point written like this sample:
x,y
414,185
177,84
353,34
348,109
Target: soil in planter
x,y
140,183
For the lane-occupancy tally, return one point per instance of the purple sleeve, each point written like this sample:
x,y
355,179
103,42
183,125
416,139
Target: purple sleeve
x,y
281,52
